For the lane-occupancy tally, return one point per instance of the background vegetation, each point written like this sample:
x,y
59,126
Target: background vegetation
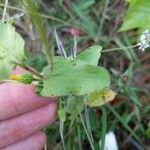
x,y
88,22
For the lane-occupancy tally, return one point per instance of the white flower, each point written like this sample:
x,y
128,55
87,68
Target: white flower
x,y
144,40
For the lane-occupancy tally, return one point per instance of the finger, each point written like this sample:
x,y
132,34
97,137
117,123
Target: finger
x,y
34,142
22,126
19,70
16,99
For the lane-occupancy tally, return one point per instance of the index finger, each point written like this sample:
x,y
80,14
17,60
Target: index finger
x,y
16,98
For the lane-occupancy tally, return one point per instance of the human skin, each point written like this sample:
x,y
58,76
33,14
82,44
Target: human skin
x,y
23,115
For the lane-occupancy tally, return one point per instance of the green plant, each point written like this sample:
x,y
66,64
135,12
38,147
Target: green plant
x,y
71,79
138,12
97,22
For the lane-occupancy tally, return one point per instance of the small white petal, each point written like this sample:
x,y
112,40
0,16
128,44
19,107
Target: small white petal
x,y
144,40
142,37
110,141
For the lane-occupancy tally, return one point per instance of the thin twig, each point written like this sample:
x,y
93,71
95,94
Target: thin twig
x,y
29,69
103,17
57,40
15,16
32,71
63,50
87,119
75,46
85,129
31,7
42,15
61,129
130,136
59,44
65,136
118,49
4,11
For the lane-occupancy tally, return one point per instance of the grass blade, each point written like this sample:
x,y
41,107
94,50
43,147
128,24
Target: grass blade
x,y
41,29
123,122
86,131
104,128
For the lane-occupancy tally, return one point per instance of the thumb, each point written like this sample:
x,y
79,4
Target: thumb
x,y
18,70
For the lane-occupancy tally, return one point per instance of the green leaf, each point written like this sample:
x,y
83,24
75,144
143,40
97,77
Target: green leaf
x,y
91,55
131,1
148,131
11,49
74,77
86,23
26,78
138,16
4,71
74,107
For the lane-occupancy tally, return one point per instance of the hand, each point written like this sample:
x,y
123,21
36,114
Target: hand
x,y
23,115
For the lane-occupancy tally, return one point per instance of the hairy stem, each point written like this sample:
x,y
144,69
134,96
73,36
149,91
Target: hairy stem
x,y
118,49
32,71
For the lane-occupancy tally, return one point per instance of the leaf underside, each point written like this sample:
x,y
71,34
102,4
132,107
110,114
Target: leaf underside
x,y
11,49
74,77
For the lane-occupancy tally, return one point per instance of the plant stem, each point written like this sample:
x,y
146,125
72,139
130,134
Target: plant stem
x,y
99,32
29,69
61,130
41,29
75,46
85,129
4,11
32,71
118,49
87,119
15,16
119,117
65,136
59,44
42,15
104,128
79,137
